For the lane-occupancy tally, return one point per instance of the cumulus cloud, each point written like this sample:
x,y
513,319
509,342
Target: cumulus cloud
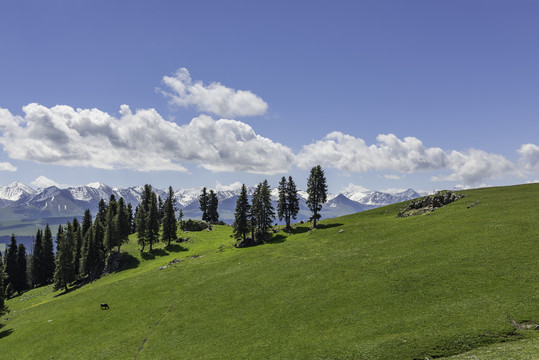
x,y
140,140
5,166
351,154
214,98
529,156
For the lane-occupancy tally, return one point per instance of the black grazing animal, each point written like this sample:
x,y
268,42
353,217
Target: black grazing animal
x,y
104,306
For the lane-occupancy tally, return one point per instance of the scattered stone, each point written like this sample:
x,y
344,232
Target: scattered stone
x,y
525,325
341,231
163,267
471,205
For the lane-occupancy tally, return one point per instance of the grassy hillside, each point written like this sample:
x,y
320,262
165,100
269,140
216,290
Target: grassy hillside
x,y
385,288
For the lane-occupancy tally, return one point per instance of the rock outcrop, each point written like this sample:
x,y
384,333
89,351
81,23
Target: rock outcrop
x,y
428,204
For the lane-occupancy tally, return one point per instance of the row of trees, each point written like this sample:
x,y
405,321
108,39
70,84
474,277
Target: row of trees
x,y
257,218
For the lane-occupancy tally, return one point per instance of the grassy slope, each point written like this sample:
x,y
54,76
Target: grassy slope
x,y
385,288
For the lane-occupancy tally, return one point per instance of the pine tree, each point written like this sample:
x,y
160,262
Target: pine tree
x,y
213,204
180,219
131,219
169,218
110,229
11,264
241,215
86,222
63,273
203,201
3,308
262,212
121,224
152,220
47,264
140,221
160,208
102,211
22,274
37,260
288,204
77,247
317,191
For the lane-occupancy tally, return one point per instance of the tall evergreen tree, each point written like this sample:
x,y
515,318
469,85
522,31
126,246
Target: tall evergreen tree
x,y
169,218
77,247
160,208
317,191
11,264
48,263
262,212
152,220
86,222
131,219
140,221
3,308
288,204
64,274
213,204
37,260
102,211
121,224
110,229
180,219
22,274
241,215
203,202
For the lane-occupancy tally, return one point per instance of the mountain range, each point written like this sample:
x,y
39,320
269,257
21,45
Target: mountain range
x,y
24,202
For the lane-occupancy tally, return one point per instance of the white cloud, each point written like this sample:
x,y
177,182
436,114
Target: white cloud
x,y
44,182
5,166
529,156
232,187
351,154
214,98
351,188
393,177
141,141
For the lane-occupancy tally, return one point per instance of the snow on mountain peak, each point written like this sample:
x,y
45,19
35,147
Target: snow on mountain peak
x,y
15,191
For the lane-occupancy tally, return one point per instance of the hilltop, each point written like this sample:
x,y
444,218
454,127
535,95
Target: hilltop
x,y
370,285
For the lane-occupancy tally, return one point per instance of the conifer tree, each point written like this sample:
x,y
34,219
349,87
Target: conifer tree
x,y
140,221
121,224
110,230
213,204
160,208
86,222
11,263
153,222
317,191
203,201
169,218
262,212
22,273
288,204
37,260
91,251
47,264
77,247
241,215
102,211
3,308
131,219
64,273
180,219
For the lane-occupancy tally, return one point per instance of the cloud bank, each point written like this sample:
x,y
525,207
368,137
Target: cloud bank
x,y
350,154
142,141
214,98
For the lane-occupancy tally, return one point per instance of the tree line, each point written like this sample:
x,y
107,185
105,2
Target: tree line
x,y
256,218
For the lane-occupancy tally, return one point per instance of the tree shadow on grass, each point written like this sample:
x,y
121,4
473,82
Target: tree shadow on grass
x,y
329,226
277,239
5,333
152,254
300,230
175,248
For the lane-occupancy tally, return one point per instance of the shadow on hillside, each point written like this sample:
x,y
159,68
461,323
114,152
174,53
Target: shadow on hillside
x,y
328,226
5,333
300,230
175,248
130,262
277,239
76,286
150,255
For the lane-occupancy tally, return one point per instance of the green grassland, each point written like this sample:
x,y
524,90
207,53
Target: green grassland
x,y
436,285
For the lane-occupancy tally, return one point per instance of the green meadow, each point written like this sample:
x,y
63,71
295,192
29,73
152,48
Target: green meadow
x,y
365,286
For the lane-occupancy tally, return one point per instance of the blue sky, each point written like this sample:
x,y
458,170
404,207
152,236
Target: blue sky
x,y
382,94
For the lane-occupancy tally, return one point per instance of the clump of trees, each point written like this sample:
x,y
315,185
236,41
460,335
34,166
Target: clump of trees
x,y
209,203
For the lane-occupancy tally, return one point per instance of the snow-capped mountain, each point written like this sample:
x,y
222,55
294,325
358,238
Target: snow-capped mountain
x,y
15,191
73,201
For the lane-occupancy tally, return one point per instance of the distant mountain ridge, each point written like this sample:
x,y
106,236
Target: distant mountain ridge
x,y
73,201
